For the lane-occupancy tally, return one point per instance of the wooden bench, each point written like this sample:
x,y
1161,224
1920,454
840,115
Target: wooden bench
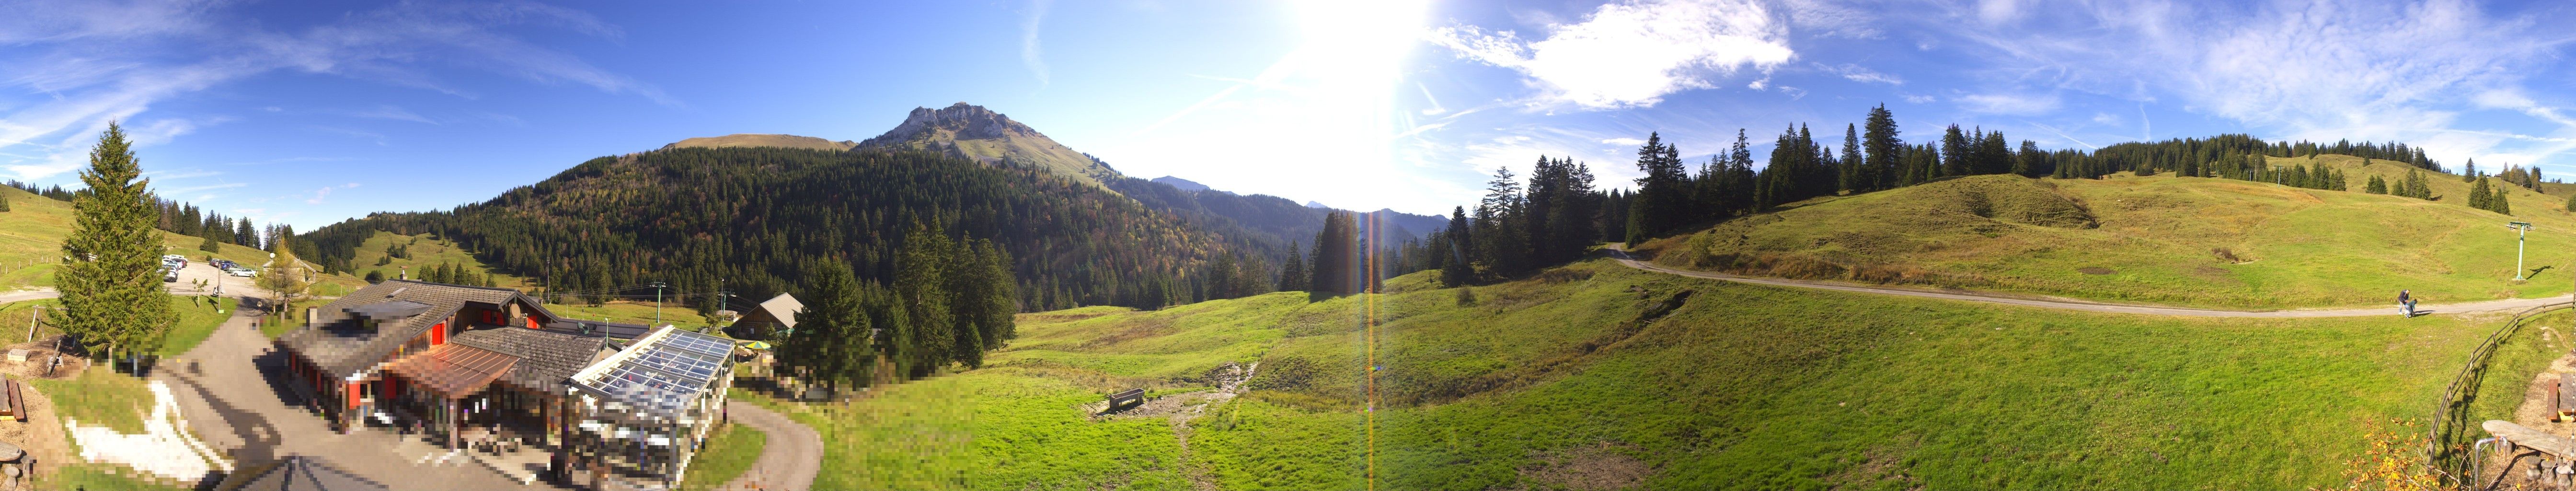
x,y
2563,395
17,403
1123,398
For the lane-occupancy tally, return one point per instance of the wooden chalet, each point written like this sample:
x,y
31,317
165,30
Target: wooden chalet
x,y
770,320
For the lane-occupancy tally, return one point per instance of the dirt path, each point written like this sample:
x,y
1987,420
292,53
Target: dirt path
x,y
790,459
2072,304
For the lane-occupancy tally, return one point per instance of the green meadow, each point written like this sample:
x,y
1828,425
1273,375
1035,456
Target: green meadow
x,y
2192,241
1596,376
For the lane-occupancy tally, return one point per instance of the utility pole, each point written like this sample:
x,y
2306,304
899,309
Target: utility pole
x,y
2521,229
657,303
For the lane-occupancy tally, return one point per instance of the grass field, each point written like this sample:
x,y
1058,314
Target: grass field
x,y
198,318
425,252
631,313
1563,381
31,236
728,453
2159,239
100,396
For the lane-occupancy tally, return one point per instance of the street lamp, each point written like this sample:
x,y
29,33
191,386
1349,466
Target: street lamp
x,y
2521,229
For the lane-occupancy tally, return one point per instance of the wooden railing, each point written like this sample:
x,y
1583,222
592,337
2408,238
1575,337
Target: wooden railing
x,y
2451,416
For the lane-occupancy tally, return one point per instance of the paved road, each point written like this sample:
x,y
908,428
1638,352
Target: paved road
x,y
2069,304
790,458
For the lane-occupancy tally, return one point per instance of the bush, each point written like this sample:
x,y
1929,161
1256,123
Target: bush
x,y
375,276
1466,297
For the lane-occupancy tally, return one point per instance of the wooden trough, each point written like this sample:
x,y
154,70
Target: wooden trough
x,y
1125,398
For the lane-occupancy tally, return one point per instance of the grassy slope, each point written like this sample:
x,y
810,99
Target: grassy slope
x,y
728,453
34,228
425,253
197,319
631,313
2307,248
1743,387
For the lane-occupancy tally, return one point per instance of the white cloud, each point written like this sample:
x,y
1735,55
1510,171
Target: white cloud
x,y
1624,141
1759,84
1632,53
2106,118
2009,103
1857,73
1794,92
2322,70
1918,99
1824,18
325,192
1030,54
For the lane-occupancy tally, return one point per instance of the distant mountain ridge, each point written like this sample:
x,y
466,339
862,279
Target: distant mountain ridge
x,y
1183,184
762,140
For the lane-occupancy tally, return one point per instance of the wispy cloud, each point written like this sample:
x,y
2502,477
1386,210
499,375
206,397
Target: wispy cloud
x,y
2020,104
92,62
1857,73
1030,54
392,112
1632,53
325,192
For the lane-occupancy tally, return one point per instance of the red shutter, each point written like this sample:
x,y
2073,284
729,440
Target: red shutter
x,y
438,334
353,395
532,323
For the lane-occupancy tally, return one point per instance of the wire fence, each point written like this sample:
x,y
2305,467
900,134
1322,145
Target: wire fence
x,y
2445,448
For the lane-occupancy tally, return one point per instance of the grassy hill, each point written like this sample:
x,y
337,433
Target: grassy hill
x,y
31,236
760,140
2158,239
1577,378
424,252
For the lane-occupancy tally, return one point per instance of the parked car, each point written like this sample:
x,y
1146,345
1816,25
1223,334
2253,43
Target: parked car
x,y
242,272
169,276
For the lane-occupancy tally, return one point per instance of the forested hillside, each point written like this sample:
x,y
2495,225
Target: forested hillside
x,y
755,220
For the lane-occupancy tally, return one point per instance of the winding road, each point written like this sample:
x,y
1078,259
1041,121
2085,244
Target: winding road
x,y
1620,254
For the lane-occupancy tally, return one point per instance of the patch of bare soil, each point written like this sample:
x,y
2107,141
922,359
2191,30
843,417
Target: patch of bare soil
x,y
1180,409
2534,413
1599,467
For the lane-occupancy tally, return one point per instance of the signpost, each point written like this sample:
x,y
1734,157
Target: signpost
x,y
2521,229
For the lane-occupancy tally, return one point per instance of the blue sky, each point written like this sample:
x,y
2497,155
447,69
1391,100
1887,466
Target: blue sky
x,y
312,112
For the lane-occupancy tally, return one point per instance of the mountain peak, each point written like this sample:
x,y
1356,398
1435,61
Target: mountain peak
x,y
1182,184
973,132
964,121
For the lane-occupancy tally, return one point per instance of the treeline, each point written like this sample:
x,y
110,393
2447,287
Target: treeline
x,y
56,191
759,221
1512,231
950,301
186,219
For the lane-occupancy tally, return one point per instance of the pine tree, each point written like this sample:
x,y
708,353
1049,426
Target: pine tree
x,y
375,276
1292,273
2376,185
830,342
924,299
1455,269
2478,196
1955,146
2499,204
1336,263
2571,204
1879,138
110,277
1855,171
210,245
4,203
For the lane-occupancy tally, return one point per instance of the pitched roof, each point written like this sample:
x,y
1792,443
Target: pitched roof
x,y
454,370
296,473
340,344
617,330
784,308
546,357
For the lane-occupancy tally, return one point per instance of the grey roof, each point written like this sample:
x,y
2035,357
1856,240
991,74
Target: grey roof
x,y
340,345
546,357
296,473
784,308
390,310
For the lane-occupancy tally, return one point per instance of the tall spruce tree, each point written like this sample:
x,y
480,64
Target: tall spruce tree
x,y
1457,268
1336,268
1955,160
1879,138
1855,170
2478,196
919,274
831,341
110,276
1292,272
